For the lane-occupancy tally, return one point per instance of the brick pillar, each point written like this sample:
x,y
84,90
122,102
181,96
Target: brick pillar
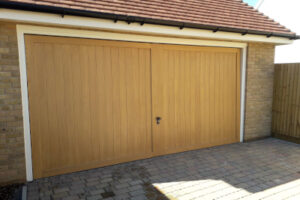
x,y
259,90
12,158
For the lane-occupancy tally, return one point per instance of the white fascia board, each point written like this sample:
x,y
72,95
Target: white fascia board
x,y
109,25
131,37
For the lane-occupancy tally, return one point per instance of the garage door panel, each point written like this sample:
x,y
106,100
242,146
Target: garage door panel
x,y
195,93
96,102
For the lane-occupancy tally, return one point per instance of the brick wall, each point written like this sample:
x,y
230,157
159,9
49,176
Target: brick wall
x,y
259,90
12,162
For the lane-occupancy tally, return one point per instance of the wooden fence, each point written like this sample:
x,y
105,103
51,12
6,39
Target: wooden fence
x,y
286,103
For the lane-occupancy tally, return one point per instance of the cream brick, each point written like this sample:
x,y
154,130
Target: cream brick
x,y
12,163
259,90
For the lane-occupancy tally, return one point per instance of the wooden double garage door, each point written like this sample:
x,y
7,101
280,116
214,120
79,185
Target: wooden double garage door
x,y
94,102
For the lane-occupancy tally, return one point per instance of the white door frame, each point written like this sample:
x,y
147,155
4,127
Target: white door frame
x,y
67,32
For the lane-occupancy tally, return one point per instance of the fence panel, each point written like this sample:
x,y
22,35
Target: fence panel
x,y
286,102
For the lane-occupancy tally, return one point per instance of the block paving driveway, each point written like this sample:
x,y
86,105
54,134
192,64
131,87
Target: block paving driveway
x,y
264,169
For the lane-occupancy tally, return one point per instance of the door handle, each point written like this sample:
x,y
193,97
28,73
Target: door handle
x,y
158,120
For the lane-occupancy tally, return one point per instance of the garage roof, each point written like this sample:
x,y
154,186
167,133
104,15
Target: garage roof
x,y
216,15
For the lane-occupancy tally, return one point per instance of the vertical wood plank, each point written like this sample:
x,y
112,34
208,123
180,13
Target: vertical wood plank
x,y
286,102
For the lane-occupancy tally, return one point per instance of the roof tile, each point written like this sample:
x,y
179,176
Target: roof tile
x,y
220,13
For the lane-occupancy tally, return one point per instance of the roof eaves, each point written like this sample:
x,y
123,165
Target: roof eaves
x,y
130,19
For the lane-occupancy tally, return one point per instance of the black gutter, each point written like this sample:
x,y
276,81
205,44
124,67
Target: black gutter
x,y
130,19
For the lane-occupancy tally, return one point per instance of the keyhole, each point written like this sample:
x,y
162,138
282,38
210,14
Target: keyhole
x,y
158,120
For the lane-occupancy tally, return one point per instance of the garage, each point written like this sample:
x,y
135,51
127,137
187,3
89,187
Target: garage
x,y
95,103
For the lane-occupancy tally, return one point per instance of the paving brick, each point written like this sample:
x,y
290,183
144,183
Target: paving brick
x,y
95,192
60,190
140,197
135,182
137,192
135,187
71,198
94,197
94,183
60,195
122,185
123,197
122,191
